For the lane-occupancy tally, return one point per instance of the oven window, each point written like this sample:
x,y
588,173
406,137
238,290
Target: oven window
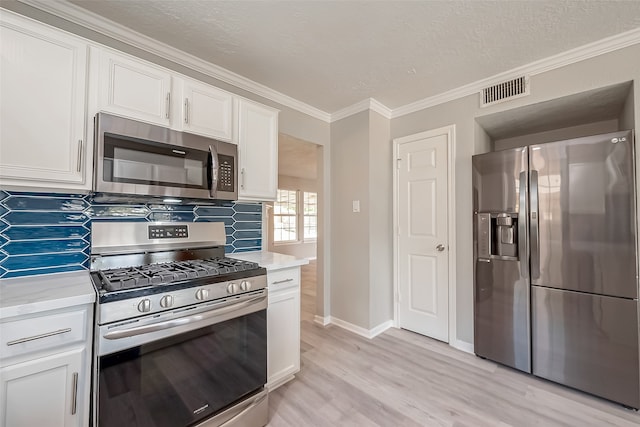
x,y
181,380
149,163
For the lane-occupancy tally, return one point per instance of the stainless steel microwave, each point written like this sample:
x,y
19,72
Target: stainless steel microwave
x,y
136,161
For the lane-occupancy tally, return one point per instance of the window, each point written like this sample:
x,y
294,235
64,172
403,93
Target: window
x,y
295,216
310,215
285,217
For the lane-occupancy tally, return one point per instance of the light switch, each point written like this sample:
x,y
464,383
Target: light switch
x,y
356,205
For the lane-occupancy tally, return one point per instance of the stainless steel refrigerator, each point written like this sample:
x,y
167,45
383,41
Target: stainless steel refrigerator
x,y
555,271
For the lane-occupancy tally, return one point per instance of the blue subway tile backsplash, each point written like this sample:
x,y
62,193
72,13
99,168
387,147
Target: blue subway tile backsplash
x,y
44,233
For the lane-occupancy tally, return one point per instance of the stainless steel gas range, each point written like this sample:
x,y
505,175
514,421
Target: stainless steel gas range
x,y
181,330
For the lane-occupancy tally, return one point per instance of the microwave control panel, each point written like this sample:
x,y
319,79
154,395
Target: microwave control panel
x,y
225,173
168,231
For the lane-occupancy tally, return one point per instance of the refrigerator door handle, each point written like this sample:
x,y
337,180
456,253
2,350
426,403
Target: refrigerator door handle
x,y
534,235
522,227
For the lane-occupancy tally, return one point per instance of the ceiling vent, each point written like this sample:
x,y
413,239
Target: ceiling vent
x,y
504,91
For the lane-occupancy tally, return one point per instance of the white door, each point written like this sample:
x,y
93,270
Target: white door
x,y
422,236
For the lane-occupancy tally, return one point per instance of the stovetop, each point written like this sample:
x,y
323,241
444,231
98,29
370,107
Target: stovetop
x,y
118,279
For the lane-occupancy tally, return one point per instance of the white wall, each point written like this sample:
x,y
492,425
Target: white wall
x,y
380,220
350,230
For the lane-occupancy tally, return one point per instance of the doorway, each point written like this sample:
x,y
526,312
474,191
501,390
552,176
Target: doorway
x,y
292,221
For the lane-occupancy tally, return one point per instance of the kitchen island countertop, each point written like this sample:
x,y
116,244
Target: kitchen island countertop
x,y
270,260
35,294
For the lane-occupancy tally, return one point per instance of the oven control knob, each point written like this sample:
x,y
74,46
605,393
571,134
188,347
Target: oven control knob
x,y
232,288
202,294
144,305
166,301
245,285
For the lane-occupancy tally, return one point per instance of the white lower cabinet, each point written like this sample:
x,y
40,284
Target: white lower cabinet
x,y
283,326
45,368
43,391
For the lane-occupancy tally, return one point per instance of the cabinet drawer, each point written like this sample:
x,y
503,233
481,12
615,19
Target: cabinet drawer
x,y
42,333
285,278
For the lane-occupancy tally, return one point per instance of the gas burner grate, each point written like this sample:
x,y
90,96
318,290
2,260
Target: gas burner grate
x,y
158,274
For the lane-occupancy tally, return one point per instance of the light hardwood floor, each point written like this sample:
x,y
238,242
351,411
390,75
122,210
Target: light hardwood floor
x,y
403,379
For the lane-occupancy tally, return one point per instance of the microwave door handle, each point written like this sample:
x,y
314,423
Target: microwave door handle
x,y
214,165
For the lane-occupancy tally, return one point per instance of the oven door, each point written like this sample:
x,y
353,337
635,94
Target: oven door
x,y
185,367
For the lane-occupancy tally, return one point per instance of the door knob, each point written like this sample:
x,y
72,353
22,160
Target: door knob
x,y
440,248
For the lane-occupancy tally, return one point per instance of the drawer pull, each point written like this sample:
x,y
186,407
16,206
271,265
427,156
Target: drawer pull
x,y
74,397
282,281
37,337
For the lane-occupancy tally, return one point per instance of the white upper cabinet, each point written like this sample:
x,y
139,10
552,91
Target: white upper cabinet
x,y
257,151
207,110
134,88
42,106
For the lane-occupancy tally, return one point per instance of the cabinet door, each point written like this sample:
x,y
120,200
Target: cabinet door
x,y
42,392
134,88
283,336
42,106
257,151
207,110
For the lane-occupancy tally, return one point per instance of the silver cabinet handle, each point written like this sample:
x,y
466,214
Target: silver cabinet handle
x,y
282,281
74,396
38,337
79,155
168,109
242,178
440,248
186,110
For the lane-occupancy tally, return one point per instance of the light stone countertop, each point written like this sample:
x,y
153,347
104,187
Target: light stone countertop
x,y
270,260
35,294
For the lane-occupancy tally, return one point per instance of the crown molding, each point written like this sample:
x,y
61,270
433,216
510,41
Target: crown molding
x,y
90,20
600,47
77,15
379,108
358,107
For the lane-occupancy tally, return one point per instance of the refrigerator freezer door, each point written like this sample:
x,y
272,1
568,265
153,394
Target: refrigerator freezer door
x,y
589,342
496,180
501,314
583,233
501,284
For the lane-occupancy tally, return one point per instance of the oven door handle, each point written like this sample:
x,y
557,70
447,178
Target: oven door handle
x,y
168,324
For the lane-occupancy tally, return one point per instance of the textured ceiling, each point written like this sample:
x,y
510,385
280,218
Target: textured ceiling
x,y
332,54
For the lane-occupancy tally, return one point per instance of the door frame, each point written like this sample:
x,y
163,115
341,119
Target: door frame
x,y
450,132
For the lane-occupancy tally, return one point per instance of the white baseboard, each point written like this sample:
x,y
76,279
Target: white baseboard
x,y
380,328
324,321
367,333
467,347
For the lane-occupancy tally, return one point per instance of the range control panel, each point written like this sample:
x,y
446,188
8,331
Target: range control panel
x,y
168,231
